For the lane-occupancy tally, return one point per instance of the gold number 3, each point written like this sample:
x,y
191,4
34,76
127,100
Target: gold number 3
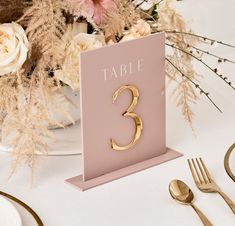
x,y
129,113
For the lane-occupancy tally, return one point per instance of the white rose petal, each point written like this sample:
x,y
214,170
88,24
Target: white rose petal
x,y
69,74
13,47
140,29
86,42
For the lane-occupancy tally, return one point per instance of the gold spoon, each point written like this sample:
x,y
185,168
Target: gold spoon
x,y
183,194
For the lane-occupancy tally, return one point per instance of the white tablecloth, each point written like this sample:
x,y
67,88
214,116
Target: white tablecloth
x,y
142,199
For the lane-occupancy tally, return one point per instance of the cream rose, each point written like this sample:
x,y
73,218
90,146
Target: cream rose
x,y
69,74
13,47
140,29
84,42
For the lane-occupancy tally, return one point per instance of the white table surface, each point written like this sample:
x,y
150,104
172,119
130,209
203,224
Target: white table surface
x,y
142,199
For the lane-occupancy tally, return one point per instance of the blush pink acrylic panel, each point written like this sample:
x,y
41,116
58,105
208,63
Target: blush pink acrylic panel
x,y
140,63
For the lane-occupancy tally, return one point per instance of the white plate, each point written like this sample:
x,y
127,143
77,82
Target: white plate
x,y
67,141
9,216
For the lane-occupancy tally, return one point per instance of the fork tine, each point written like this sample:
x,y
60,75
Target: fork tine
x,y
197,172
193,173
206,170
204,176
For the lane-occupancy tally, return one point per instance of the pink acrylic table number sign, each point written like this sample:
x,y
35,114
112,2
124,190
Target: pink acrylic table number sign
x,y
122,110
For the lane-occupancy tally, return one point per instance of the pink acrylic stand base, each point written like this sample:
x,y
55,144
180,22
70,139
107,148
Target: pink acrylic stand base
x,y
85,185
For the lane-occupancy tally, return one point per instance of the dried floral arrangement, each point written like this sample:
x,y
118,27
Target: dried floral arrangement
x,y
40,41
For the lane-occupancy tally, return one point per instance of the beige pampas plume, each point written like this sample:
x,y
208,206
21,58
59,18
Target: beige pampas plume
x,y
184,93
27,113
45,28
123,19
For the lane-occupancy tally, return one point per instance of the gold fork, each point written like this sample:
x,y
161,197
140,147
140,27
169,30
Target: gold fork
x,y
204,181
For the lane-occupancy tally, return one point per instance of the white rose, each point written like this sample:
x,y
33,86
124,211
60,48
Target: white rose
x,y
13,47
140,29
69,74
85,42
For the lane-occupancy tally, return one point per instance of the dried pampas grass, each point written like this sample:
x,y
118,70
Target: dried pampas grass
x,y
117,23
184,92
27,94
45,28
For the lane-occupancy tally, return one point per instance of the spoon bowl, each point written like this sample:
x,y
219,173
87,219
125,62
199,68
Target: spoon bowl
x,y
181,192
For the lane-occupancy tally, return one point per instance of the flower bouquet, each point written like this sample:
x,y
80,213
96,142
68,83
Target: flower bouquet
x,y
40,43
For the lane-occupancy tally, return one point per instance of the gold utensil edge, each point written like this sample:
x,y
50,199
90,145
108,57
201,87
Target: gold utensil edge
x,y
205,182
201,215
226,162
24,205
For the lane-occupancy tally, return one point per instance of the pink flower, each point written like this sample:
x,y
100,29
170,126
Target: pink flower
x,y
98,9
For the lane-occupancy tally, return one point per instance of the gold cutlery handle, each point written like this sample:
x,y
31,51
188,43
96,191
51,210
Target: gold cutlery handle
x,y
203,218
29,209
228,201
